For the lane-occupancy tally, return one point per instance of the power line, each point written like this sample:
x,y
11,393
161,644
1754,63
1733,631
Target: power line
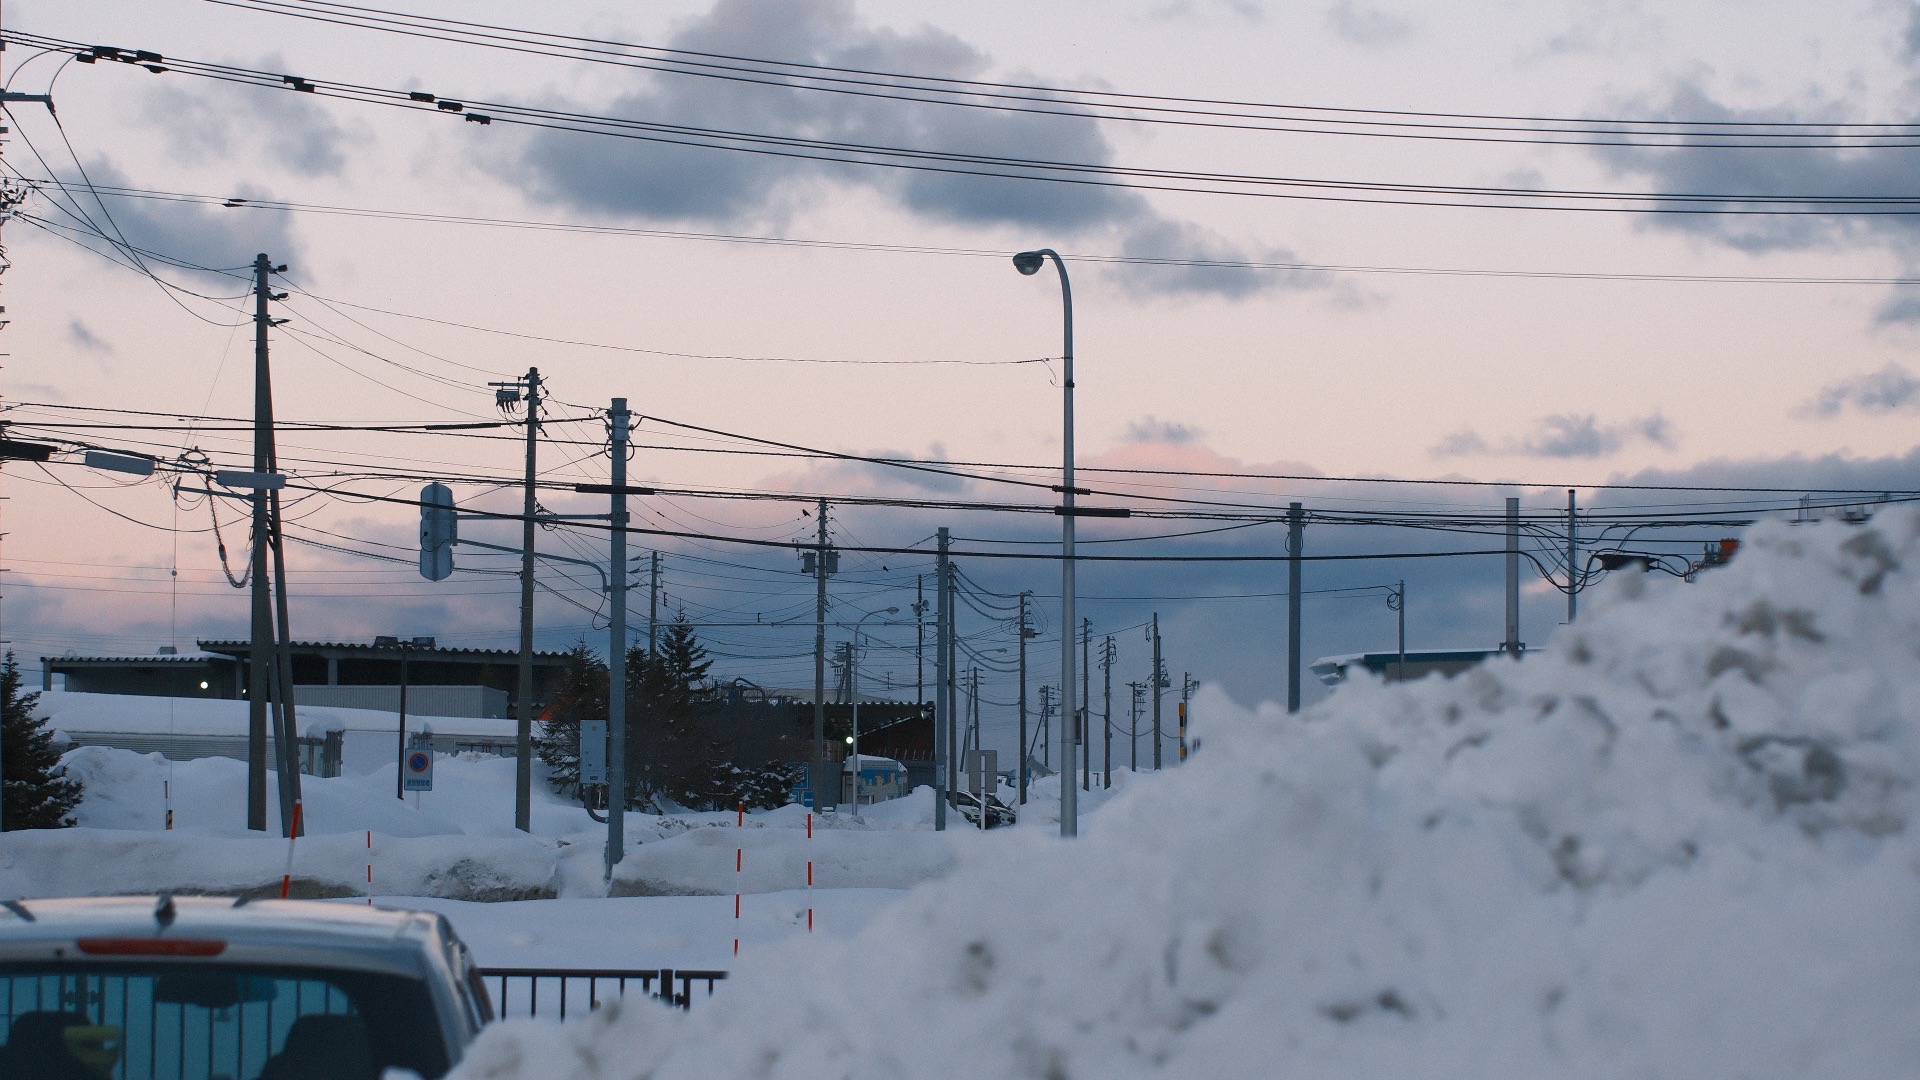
x,y
1001,166
1070,102
280,205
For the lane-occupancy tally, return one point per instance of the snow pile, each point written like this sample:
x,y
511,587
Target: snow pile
x,y
1676,843
455,842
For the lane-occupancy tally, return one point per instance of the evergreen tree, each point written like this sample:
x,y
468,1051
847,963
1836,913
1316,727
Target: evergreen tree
x,y
582,695
668,748
35,791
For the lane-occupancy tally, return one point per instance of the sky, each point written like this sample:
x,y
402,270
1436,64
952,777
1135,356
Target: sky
x,y
1535,349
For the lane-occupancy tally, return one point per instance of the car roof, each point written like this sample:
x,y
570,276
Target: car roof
x,y
315,932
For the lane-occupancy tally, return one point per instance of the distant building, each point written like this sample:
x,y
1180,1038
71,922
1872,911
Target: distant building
x,y
440,682
1333,670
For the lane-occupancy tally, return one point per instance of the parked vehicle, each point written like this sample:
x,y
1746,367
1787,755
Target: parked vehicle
x,y
198,988
998,813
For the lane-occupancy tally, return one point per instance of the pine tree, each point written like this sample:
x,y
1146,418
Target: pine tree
x,y
35,791
582,695
668,748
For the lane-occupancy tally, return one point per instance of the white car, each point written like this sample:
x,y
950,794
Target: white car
x,y
210,988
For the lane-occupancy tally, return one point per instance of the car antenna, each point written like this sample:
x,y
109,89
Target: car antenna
x,y
163,912
17,908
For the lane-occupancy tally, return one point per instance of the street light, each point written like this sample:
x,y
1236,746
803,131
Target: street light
x,y
1029,263
853,683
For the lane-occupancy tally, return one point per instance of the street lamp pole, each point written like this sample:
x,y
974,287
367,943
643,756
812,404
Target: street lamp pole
x,y
1029,262
853,689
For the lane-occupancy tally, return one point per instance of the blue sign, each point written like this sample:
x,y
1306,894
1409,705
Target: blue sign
x,y
419,770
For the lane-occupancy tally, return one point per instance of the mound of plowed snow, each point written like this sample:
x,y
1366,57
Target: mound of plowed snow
x,y
1678,842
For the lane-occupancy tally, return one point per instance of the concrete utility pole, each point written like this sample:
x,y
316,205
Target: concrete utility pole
x,y
1296,539
523,735
919,639
816,783
1512,644
258,648
10,198
1080,726
1026,632
620,427
1187,685
1046,743
1397,600
942,715
952,689
286,728
1133,725
1573,549
973,701
1106,721
1158,682
653,609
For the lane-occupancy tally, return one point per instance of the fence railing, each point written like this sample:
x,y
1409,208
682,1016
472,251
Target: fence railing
x,y
517,992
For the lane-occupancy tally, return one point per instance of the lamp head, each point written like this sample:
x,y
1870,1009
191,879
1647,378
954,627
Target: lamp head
x,y
1029,262
890,611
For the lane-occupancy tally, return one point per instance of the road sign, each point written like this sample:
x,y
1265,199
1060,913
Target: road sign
x,y
418,768
439,528
593,752
981,768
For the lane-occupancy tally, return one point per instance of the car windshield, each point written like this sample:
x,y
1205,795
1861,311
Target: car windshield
x,y
213,1022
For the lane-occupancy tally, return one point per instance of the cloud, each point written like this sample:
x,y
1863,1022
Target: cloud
x,y
1151,429
86,340
1247,11
1891,389
1735,178
210,237
1565,436
290,128
1363,24
660,182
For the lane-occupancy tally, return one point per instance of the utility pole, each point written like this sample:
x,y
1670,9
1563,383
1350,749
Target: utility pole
x,y
973,700
620,424
941,715
1296,522
1086,706
523,769
1187,686
952,689
1573,548
1026,632
1158,682
653,608
920,639
817,781
1106,723
1398,601
1133,726
1512,644
1045,736
258,662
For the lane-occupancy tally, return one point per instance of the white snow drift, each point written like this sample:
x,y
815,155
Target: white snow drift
x,y
1676,843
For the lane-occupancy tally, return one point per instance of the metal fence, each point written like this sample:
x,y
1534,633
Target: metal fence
x,y
517,991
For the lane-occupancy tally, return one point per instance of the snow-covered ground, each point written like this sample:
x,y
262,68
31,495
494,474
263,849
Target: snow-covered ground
x,y
1678,842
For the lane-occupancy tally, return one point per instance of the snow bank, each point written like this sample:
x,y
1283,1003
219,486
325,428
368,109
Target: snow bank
x,y
104,862
1676,843
456,841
